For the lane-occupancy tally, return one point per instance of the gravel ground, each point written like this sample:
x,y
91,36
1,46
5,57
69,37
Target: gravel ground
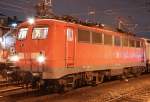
x,y
116,91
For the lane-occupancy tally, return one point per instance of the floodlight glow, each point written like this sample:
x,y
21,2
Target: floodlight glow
x,y
31,20
14,25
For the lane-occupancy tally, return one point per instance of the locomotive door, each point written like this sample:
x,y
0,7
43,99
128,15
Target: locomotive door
x,y
70,47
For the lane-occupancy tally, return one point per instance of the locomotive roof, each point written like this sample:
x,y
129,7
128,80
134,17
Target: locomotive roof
x,y
80,25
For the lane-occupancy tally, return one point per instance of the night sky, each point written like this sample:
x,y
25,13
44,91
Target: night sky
x,y
134,13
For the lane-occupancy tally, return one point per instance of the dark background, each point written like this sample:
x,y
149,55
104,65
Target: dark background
x,y
134,13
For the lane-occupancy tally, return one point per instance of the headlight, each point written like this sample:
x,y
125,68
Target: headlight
x,y
41,58
14,58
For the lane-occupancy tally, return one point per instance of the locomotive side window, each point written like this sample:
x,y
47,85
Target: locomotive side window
x,y
138,44
22,33
142,44
40,33
96,37
131,43
107,39
117,41
83,36
124,42
148,41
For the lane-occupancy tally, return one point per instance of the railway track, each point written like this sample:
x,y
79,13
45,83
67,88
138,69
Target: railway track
x,y
141,95
9,87
14,93
137,93
134,94
5,83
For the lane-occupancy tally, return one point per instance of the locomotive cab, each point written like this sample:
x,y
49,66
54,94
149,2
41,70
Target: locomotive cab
x,y
31,46
40,48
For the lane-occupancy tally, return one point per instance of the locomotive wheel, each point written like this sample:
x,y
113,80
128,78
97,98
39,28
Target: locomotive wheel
x,y
125,73
78,83
138,72
107,75
101,78
98,79
64,88
148,68
64,85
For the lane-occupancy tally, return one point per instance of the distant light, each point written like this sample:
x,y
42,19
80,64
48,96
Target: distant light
x,y
31,20
102,25
91,12
14,25
7,41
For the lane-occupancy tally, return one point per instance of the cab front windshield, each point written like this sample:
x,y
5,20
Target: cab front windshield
x,y
40,33
22,33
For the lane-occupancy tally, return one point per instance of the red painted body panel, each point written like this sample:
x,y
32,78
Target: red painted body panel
x,y
102,54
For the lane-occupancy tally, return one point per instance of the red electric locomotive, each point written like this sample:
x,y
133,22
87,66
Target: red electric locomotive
x,y
69,55
147,53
